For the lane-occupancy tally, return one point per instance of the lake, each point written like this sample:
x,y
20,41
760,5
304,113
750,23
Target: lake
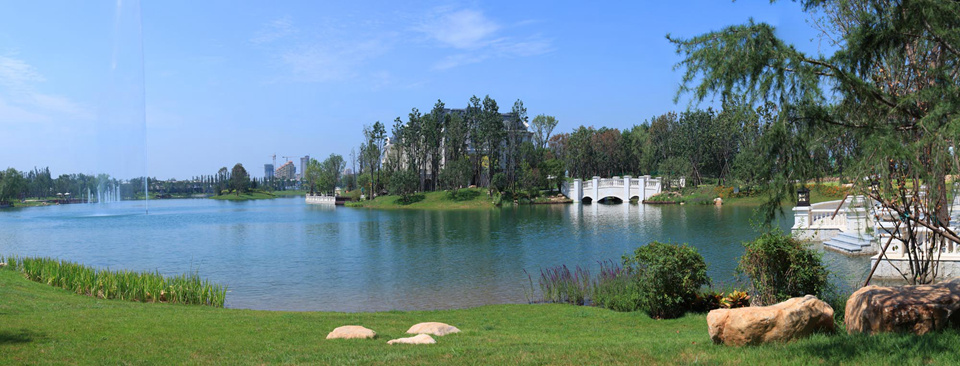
x,y
283,254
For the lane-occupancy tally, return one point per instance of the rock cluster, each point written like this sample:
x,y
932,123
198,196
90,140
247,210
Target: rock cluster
x,y
907,309
422,331
788,320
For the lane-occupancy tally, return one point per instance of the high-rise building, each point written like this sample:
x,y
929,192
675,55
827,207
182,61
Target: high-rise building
x,y
268,171
304,161
287,171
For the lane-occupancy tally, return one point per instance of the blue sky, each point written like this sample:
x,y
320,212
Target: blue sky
x,y
229,82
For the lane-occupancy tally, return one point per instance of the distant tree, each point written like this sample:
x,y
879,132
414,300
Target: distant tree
x,y
12,185
223,177
433,135
456,174
404,183
331,169
543,126
239,179
313,175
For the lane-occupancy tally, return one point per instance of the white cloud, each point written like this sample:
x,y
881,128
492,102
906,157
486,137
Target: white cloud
x,y
322,61
274,30
478,38
333,50
464,29
23,102
16,75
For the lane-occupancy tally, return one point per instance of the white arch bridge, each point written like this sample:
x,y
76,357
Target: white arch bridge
x,y
625,188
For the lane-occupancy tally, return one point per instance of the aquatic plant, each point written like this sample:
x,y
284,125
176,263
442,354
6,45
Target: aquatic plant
x,y
558,284
615,288
121,285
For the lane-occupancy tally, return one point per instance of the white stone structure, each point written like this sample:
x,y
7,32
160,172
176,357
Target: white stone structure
x,y
624,188
321,199
854,230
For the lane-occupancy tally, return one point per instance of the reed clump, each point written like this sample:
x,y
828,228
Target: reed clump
x,y
122,285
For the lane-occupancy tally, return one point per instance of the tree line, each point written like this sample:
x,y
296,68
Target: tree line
x,y
447,149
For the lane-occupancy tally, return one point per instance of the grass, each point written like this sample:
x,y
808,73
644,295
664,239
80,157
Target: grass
x,y
42,324
467,198
122,285
290,193
705,193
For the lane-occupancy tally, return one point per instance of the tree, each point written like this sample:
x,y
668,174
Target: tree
x,y
313,175
330,171
894,80
12,185
404,183
223,176
543,126
239,180
456,174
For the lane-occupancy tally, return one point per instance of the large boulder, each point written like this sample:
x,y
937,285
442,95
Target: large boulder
x,y
794,318
418,339
907,309
351,332
437,329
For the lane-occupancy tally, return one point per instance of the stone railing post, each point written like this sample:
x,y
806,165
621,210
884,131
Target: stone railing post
x,y
577,193
596,189
643,188
626,188
801,217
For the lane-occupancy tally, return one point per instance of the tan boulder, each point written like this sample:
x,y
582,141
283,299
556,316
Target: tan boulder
x,y
351,332
788,320
417,339
437,329
909,309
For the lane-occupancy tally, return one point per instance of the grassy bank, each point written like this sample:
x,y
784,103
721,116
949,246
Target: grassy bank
x,y
704,194
466,198
42,324
257,195
290,193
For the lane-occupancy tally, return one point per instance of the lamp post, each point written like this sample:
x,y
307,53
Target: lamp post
x,y
803,196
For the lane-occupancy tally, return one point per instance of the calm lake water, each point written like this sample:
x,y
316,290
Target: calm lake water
x,y
282,254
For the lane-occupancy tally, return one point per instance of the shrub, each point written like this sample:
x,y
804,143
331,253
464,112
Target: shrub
x,y
781,267
615,288
735,299
669,277
706,301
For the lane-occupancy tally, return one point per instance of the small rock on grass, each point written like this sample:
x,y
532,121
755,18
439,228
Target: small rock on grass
x,y
437,329
417,339
351,332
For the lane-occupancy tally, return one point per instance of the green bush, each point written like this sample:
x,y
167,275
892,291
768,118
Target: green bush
x,y
669,277
781,267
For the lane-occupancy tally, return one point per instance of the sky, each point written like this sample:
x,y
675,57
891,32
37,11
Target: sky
x,y
182,88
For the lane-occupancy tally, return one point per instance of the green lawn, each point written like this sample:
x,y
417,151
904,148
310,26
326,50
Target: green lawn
x,y
40,324
465,199
244,196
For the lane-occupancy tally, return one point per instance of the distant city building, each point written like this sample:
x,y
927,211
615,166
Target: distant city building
x,y
304,161
268,171
287,171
